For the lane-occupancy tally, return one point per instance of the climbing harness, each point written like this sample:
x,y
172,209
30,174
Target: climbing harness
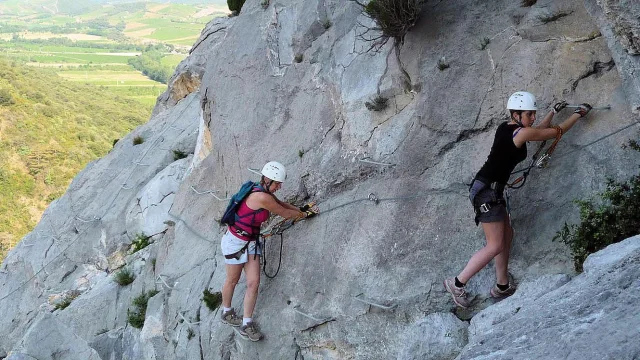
x,y
479,184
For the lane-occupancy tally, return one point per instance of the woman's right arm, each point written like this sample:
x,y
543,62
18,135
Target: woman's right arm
x,y
269,202
536,134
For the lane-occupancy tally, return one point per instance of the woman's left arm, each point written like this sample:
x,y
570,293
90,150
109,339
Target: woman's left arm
x,y
547,119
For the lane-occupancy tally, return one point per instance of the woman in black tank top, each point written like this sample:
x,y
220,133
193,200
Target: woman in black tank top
x,y
486,191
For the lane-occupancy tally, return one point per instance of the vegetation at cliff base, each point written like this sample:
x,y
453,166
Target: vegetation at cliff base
x,y
50,129
607,219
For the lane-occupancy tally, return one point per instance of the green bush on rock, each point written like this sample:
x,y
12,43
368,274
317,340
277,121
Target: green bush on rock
x,y
608,220
235,5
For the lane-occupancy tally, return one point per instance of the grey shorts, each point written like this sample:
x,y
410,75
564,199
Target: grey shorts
x,y
480,194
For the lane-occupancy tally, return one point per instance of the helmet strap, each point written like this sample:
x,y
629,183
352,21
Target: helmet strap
x,y
266,186
519,119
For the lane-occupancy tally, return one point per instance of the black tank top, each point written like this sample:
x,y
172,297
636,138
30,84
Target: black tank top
x,y
504,155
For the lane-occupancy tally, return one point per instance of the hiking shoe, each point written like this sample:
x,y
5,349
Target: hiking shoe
x,y
496,293
250,332
458,294
230,318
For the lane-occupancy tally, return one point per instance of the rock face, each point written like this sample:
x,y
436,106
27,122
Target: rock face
x,y
593,316
293,81
618,22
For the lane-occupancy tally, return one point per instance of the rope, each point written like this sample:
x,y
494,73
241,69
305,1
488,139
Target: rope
x,y
579,147
264,260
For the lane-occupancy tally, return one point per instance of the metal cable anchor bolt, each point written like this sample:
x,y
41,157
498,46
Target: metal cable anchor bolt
x,y
373,198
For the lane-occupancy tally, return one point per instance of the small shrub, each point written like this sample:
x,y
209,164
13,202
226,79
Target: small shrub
x,y
153,264
443,64
140,242
484,42
212,300
178,154
327,24
611,219
528,3
632,144
264,4
138,140
136,316
64,303
124,277
393,17
378,103
190,334
300,153
547,18
235,5
6,98
298,58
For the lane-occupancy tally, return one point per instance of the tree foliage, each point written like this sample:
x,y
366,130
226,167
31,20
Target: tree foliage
x,y
150,64
609,219
393,19
52,128
235,5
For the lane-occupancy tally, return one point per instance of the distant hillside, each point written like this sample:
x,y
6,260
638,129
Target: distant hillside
x,y
50,129
75,7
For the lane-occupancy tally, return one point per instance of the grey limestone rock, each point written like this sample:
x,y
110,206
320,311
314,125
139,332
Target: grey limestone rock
x,y
593,316
276,83
49,339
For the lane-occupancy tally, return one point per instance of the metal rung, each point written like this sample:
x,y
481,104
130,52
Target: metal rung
x,y
159,277
368,302
375,162
295,308
209,192
187,321
255,171
608,107
86,221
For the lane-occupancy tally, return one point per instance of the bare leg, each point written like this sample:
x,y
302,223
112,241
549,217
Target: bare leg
x,y
230,282
252,273
502,259
494,232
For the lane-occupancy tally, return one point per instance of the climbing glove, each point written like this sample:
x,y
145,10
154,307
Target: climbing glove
x,y
309,209
559,106
583,109
310,213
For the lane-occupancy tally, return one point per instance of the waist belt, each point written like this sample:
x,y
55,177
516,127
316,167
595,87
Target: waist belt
x,y
484,208
238,254
497,186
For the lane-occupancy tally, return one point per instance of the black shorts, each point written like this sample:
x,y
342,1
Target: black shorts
x,y
479,194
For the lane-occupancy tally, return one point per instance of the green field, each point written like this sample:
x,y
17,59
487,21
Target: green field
x,y
51,128
74,77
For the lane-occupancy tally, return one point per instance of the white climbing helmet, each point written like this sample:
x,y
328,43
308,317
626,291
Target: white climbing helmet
x,y
274,171
522,100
